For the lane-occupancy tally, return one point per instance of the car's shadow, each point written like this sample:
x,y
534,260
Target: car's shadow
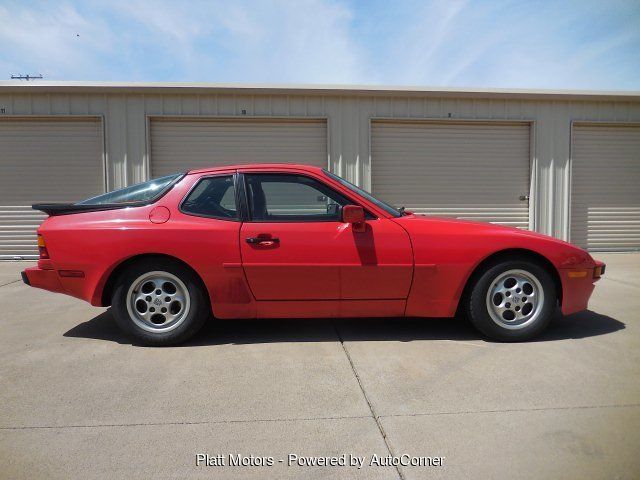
x,y
580,325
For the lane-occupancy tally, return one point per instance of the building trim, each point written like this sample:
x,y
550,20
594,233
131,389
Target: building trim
x,y
333,90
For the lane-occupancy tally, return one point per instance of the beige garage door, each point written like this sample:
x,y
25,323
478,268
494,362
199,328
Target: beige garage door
x,y
178,145
605,202
468,170
44,160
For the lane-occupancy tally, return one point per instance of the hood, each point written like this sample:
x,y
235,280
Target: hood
x,y
518,238
481,226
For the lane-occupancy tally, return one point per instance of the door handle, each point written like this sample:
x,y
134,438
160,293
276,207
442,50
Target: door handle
x,y
263,241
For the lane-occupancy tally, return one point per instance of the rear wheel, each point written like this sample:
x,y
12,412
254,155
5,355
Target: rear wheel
x,y
512,300
159,303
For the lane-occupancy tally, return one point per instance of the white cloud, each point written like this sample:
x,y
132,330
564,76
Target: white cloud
x,y
299,41
54,41
431,42
429,36
302,41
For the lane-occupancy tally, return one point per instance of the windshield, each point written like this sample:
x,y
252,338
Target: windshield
x,y
385,206
141,192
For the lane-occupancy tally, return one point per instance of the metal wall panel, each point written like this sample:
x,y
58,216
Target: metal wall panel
x,y
183,144
44,160
126,114
471,170
605,203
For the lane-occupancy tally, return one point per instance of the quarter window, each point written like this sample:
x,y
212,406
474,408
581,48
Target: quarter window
x,y
213,197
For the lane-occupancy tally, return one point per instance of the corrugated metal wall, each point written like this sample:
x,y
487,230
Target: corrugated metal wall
x,y
126,118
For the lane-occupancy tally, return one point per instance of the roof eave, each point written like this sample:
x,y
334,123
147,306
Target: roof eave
x,y
326,90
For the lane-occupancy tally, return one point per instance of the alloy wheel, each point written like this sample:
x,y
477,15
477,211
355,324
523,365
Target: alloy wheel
x,y
158,301
515,298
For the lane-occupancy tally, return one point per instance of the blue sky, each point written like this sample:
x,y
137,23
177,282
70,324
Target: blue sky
x,y
516,44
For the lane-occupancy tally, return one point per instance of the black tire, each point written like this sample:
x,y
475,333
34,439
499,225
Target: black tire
x,y
197,313
480,313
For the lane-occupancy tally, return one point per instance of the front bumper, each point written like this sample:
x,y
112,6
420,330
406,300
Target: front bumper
x,y
576,290
599,270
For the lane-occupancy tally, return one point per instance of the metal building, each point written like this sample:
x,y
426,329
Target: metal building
x,y
562,163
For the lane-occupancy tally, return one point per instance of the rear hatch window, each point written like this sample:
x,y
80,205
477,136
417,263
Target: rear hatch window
x,y
140,193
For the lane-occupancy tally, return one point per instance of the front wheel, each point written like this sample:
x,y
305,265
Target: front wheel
x,y
159,303
512,301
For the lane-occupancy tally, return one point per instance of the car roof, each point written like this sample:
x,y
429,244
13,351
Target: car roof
x,y
258,166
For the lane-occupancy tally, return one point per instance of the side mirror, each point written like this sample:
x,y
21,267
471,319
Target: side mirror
x,y
354,214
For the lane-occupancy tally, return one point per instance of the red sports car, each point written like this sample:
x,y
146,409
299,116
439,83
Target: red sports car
x,y
274,241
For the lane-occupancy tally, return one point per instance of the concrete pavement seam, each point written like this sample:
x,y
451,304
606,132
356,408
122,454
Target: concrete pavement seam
x,y
203,422
5,284
628,283
513,410
376,418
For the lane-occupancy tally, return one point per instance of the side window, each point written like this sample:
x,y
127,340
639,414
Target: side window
x,y
287,198
213,197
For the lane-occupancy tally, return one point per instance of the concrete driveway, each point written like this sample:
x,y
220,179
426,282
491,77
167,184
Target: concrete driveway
x,y
78,400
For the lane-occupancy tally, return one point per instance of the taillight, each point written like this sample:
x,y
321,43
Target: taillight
x,y
42,248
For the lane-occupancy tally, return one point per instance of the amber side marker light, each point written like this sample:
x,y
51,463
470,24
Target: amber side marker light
x,y
578,274
42,248
71,273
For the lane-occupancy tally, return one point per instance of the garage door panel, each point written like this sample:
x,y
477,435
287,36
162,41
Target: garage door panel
x,y
605,200
466,170
183,144
44,160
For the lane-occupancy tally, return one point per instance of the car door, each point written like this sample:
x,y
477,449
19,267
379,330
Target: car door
x,y
294,245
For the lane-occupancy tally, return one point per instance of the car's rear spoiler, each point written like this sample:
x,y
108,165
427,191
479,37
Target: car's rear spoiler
x,y
53,209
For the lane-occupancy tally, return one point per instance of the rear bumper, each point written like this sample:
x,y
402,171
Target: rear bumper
x,y
45,279
68,282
